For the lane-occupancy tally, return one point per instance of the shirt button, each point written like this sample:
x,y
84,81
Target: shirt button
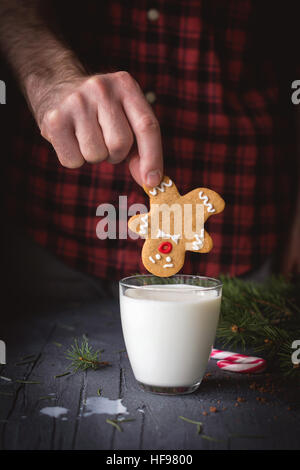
x,y
153,14
150,97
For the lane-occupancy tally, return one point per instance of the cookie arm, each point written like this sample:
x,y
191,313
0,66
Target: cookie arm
x,y
212,202
199,245
139,224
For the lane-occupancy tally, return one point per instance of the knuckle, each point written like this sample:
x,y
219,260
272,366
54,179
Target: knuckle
x,y
100,156
147,123
75,100
125,79
96,83
44,132
91,149
71,163
52,119
123,75
119,148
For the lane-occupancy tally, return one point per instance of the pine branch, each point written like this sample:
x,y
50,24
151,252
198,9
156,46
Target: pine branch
x,y
264,317
83,357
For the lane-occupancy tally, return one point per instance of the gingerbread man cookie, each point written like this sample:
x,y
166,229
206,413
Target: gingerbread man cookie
x,y
174,225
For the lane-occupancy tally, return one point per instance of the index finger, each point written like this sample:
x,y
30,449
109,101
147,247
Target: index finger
x,y
146,129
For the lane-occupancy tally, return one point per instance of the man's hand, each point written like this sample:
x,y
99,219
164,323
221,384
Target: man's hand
x,y
100,118
96,118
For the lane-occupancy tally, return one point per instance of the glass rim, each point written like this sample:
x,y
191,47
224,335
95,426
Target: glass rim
x,y
219,283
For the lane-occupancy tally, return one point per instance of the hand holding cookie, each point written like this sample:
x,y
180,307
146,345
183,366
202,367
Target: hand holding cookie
x,y
174,225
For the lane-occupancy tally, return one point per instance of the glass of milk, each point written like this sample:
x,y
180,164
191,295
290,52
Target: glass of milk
x,y
169,327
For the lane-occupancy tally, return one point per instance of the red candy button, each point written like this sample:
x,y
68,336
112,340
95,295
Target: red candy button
x,y
165,247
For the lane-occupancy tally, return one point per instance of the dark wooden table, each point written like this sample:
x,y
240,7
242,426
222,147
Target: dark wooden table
x,y
251,412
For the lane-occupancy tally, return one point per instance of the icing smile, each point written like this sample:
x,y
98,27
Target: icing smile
x,y
158,257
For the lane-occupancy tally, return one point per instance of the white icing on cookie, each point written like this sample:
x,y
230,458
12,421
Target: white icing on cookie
x,y
168,259
160,188
157,256
151,259
144,225
206,203
168,265
162,234
198,244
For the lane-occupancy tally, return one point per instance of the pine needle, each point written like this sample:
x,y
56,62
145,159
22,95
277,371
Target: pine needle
x,y
7,394
29,356
210,438
22,363
47,397
30,382
115,424
62,375
190,420
199,429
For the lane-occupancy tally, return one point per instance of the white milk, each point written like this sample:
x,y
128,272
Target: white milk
x,y
169,331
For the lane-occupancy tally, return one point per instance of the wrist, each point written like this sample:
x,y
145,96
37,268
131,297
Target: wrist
x,y
46,76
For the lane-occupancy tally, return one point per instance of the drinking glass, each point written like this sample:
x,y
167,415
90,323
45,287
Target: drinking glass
x,y
169,326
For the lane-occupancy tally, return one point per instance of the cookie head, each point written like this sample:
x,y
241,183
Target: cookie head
x,y
163,258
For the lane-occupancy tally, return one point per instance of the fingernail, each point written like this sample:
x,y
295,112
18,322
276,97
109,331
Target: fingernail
x,y
153,178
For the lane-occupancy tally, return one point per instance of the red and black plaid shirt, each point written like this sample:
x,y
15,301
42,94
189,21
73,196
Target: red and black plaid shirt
x,y
217,101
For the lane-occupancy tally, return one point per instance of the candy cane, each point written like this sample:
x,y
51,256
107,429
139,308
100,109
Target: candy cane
x,y
235,362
